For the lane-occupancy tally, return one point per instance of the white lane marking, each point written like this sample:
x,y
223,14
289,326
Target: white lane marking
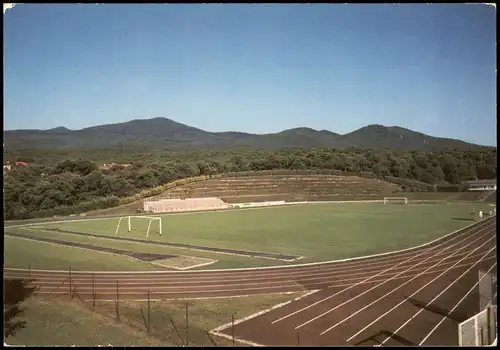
x,y
405,283
143,288
402,302
186,274
227,325
363,281
480,223
454,307
437,296
400,286
145,283
246,342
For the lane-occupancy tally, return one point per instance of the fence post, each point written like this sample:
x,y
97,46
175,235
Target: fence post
x,y
144,319
187,325
488,320
232,326
69,270
176,330
117,302
210,337
476,337
149,313
93,291
29,270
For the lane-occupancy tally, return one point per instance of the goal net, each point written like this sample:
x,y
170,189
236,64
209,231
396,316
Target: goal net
x,y
395,200
149,219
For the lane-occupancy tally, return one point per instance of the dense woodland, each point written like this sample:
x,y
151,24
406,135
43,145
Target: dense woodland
x,y
63,182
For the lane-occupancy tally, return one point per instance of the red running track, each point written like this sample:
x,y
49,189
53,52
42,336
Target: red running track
x,y
403,298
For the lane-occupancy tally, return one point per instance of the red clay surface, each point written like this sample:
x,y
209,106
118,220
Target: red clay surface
x,y
415,297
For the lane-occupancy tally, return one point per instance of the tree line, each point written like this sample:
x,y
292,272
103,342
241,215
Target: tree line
x,y
79,185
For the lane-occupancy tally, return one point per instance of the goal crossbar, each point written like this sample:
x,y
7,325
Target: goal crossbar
x,y
401,199
150,218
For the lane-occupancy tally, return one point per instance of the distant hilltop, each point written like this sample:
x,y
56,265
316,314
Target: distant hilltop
x,y
164,133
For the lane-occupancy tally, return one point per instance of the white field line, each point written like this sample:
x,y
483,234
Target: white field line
x,y
243,341
348,273
145,283
281,266
218,331
186,267
162,290
413,294
124,288
390,279
366,280
415,277
437,296
454,307
227,325
194,298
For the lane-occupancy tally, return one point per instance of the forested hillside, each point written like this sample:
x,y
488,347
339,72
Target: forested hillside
x,y
52,185
166,134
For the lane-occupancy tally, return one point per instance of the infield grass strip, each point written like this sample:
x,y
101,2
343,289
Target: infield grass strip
x,y
187,246
23,253
92,247
223,260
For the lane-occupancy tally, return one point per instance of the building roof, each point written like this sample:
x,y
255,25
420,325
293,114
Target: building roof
x,y
482,182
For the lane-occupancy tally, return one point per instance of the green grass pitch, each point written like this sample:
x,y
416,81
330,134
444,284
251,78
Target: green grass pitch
x,y
318,232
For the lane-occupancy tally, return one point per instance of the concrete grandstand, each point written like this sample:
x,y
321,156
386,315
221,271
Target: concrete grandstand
x,y
259,188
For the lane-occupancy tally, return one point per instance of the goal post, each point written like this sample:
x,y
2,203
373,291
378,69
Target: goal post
x,y
150,218
395,200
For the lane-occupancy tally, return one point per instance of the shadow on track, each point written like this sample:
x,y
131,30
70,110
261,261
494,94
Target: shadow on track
x,y
370,341
455,316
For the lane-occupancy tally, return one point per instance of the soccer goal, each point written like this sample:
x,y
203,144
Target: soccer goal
x,y
150,218
395,200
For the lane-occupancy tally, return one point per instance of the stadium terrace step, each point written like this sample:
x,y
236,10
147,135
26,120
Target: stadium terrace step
x,y
286,187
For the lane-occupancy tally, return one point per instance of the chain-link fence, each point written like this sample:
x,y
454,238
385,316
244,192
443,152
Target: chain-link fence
x,y
487,289
480,329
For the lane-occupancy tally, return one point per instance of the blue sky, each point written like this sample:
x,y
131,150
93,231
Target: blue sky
x,y
254,68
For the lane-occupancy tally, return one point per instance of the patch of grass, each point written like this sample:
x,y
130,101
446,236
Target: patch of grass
x,y
21,253
223,260
203,315
317,232
60,321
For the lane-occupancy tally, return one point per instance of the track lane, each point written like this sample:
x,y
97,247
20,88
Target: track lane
x,y
261,330
330,277
312,278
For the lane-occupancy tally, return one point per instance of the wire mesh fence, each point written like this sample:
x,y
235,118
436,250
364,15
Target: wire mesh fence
x,y
142,316
480,329
487,289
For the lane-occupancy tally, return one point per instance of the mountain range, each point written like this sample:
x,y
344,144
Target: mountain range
x,y
167,134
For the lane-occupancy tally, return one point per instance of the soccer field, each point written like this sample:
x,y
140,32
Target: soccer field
x,y
316,232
